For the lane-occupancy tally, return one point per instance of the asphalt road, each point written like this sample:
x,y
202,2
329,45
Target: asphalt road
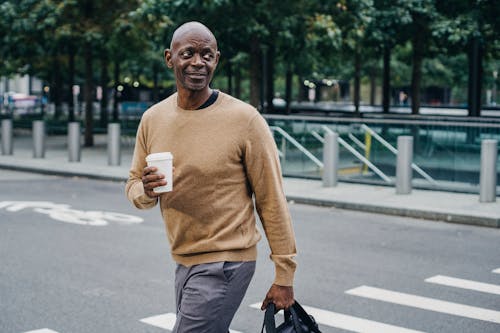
x,y
76,257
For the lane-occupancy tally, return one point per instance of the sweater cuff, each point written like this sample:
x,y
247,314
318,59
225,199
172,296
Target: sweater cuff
x,y
140,199
285,266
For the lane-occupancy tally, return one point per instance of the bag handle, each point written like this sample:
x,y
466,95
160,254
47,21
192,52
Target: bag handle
x,y
295,319
269,323
296,311
302,314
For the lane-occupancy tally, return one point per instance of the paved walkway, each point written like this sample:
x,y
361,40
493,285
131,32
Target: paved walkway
x,y
435,205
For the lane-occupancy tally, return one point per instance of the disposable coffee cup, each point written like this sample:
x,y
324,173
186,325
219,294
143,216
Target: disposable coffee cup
x,y
163,162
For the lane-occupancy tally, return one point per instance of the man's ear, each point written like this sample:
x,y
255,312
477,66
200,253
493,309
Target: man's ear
x,y
168,58
217,56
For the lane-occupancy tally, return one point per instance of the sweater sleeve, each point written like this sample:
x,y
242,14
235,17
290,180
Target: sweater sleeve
x,y
264,174
134,188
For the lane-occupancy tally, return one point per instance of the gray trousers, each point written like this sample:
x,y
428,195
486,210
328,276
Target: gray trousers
x,y
208,295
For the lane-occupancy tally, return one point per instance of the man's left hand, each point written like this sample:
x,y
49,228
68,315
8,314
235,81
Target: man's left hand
x,y
281,296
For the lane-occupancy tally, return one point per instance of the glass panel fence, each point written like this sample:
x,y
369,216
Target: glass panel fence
x,y
447,154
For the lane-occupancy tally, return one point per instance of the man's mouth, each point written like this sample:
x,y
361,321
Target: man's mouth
x,y
196,75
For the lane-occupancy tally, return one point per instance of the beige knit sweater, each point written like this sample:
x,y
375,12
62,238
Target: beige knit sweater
x,y
223,155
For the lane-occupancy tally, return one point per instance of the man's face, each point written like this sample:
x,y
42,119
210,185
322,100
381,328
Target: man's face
x,y
194,57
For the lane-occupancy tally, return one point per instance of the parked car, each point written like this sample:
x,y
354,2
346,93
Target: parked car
x,y
21,103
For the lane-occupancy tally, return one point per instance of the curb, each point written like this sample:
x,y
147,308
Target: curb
x,y
63,173
482,221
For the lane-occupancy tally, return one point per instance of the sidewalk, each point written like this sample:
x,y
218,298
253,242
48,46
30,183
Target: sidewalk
x,y
434,205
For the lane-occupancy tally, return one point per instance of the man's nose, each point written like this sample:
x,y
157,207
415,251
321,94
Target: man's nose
x,y
197,60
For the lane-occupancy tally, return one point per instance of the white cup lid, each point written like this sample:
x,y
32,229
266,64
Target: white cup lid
x,y
159,156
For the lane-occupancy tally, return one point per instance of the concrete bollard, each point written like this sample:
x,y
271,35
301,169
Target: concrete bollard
x,y
74,144
38,139
404,171
114,147
7,143
488,176
330,160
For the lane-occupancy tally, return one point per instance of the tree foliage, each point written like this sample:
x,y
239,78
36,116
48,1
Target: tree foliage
x,y
400,42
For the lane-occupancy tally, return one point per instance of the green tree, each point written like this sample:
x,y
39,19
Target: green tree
x,y
29,49
97,22
354,17
423,15
151,26
384,32
473,26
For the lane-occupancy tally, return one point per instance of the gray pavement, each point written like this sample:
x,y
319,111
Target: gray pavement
x,y
432,205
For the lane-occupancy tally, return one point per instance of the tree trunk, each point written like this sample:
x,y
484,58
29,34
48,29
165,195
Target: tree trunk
x,y
58,92
55,89
263,82
71,83
88,96
156,94
386,85
475,59
255,71
357,80
229,72
88,89
301,90
288,89
416,78
104,86
237,83
418,45
270,77
373,87
115,90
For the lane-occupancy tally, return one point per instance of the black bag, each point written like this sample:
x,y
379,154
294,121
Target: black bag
x,y
296,321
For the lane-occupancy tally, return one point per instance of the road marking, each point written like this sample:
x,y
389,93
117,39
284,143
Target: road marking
x,y
427,303
64,213
465,284
43,330
166,321
496,271
349,323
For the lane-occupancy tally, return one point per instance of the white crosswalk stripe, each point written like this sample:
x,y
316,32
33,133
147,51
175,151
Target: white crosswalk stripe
x,y
349,323
43,330
464,284
426,303
166,321
496,271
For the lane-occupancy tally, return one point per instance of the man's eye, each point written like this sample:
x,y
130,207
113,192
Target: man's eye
x,y
186,54
208,56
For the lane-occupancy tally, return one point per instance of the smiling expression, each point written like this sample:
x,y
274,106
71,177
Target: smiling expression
x,y
193,55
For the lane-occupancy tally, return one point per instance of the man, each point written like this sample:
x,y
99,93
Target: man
x,y
223,154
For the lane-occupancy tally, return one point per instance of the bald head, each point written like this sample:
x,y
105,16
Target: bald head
x,y
193,55
192,27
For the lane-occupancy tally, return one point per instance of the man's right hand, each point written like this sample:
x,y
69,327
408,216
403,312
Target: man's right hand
x,y
150,180
281,296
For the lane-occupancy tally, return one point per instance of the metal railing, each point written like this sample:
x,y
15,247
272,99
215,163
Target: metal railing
x,y
395,152
294,142
355,153
448,151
